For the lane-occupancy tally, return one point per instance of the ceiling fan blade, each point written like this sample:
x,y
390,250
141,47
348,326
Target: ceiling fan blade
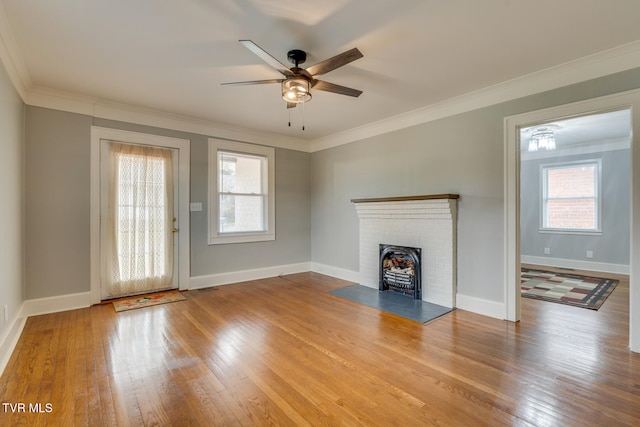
x,y
332,87
253,82
334,62
283,69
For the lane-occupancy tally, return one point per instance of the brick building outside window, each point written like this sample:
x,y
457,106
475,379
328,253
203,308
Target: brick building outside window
x,y
571,196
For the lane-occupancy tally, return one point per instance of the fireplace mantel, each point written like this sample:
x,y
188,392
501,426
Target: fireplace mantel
x,y
426,222
407,198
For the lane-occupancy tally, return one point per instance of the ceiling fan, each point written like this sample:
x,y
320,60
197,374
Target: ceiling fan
x,y
297,82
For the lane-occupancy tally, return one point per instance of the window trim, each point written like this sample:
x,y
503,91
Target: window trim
x,y
598,197
217,238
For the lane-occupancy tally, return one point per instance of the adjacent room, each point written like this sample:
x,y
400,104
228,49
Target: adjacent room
x,y
575,206
351,212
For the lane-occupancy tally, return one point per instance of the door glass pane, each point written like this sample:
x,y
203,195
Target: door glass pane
x,y
138,253
141,217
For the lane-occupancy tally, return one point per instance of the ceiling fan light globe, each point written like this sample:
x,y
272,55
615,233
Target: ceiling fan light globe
x,y
296,90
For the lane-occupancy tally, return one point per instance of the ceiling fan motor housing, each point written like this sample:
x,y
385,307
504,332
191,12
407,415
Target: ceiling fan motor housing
x,y
297,56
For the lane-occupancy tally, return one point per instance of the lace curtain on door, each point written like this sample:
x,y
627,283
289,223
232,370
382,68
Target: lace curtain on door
x,y
139,256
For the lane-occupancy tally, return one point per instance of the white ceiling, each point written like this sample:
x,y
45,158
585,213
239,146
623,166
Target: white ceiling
x,y
600,132
171,56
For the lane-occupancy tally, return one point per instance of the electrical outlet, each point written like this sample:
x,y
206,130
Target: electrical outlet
x,y
547,251
589,254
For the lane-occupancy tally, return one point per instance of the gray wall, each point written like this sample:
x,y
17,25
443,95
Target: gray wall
x,y
315,220
293,219
58,204
612,246
459,154
434,158
11,207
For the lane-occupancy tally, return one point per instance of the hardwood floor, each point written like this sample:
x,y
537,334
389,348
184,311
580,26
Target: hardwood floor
x,y
283,351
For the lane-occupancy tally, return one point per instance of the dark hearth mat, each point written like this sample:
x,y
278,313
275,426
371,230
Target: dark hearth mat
x,y
391,302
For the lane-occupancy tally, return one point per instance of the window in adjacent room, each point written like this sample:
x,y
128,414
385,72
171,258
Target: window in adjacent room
x,y
242,192
571,196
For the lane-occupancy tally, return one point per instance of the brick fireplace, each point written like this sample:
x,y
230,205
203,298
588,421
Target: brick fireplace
x,y
424,222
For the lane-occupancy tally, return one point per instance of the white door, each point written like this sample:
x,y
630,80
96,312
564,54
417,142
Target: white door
x,y
181,159
139,217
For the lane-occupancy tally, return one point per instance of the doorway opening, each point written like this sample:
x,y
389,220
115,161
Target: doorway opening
x,y
629,102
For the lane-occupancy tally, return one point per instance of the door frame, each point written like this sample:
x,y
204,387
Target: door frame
x,y
626,100
183,147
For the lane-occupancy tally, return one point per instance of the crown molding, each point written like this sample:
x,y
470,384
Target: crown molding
x,y
11,58
611,61
60,100
131,114
99,108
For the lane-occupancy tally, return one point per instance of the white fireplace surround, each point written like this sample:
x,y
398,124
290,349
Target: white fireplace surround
x,y
426,222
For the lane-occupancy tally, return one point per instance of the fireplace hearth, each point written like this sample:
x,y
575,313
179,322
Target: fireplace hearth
x,y
400,270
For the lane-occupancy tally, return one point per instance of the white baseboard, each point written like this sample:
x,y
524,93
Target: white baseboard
x,y
602,267
35,307
9,339
337,272
199,282
481,306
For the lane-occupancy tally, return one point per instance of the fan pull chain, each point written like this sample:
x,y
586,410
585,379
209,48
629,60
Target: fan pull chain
x,y
303,116
289,111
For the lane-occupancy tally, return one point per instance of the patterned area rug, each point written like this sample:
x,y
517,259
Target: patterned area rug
x,y
570,289
147,300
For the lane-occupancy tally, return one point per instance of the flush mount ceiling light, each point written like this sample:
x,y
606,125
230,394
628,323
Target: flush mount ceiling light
x,y
542,138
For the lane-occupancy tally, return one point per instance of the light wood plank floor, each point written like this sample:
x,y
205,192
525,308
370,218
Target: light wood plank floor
x,y
284,351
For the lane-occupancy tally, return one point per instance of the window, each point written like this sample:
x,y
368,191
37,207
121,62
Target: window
x,y
242,192
571,196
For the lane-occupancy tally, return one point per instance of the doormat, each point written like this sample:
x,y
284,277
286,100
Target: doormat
x,y
392,302
147,300
570,289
